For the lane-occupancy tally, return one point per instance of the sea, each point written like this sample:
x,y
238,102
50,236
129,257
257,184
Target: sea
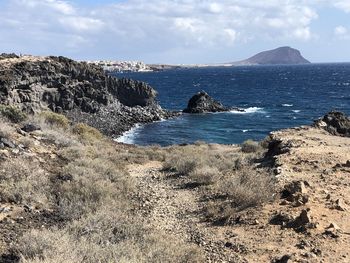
x,y
274,97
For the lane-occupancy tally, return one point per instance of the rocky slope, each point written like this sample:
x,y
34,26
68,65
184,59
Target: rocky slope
x,y
281,55
308,221
81,91
305,220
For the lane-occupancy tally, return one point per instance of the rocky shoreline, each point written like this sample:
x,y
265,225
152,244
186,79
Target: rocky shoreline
x,y
69,193
83,92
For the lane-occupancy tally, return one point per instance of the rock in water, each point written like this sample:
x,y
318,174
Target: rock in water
x,y
336,123
202,102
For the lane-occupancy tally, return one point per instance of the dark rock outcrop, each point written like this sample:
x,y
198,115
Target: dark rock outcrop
x,y
79,90
281,55
6,56
202,103
336,123
62,84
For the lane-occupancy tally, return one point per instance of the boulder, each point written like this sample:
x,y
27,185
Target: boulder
x,y
336,123
202,103
295,192
30,127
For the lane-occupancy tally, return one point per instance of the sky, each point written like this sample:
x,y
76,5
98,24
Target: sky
x,y
175,31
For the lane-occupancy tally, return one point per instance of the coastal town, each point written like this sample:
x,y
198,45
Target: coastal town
x,y
122,66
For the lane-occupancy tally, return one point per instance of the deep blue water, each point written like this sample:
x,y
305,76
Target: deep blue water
x,y
275,97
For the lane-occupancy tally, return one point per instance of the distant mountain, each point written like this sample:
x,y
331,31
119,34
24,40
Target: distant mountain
x,y
281,55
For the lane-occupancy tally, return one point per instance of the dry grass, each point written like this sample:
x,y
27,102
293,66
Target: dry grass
x,y
23,181
250,146
227,175
6,130
87,132
88,187
109,235
54,119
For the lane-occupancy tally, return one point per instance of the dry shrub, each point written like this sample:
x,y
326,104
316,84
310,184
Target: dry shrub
x,y
13,114
185,160
54,119
6,130
234,182
240,190
247,187
59,137
87,132
250,146
73,152
109,235
23,181
26,142
91,183
205,175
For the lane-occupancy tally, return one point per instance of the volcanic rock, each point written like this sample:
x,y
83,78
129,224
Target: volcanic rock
x,y
78,90
202,103
30,127
336,123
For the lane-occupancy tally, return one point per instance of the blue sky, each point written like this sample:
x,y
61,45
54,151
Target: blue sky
x,y
175,31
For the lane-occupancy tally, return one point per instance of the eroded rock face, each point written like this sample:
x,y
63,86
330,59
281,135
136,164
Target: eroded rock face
x,y
62,84
77,89
336,123
202,103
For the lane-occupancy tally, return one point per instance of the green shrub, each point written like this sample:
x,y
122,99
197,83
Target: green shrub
x,y
87,132
12,114
55,119
250,146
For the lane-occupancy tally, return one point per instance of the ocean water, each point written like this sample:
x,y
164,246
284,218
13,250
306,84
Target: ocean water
x,y
274,97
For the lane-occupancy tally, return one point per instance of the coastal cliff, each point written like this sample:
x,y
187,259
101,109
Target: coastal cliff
x,y
70,194
82,91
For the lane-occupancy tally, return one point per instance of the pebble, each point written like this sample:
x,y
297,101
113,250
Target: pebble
x,y
340,205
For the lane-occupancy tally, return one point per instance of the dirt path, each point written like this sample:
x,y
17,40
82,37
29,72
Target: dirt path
x,y
319,160
177,210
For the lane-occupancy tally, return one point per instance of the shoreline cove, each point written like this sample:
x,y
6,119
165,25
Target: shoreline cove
x,y
128,136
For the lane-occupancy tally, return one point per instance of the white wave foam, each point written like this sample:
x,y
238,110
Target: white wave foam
x,y
128,137
296,111
248,110
287,105
244,131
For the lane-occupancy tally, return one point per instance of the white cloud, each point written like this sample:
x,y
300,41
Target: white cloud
x,y
342,32
55,5
215,7
156,27
302,33
231,35
343,5
81,23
